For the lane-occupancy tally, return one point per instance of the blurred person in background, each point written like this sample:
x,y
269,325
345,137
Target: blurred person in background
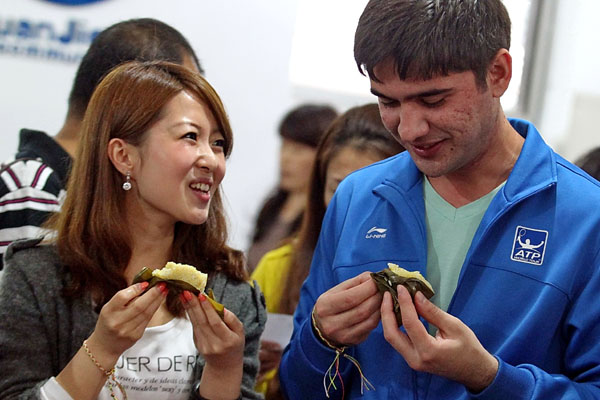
x,y
355,139
281,213
33,185
590,163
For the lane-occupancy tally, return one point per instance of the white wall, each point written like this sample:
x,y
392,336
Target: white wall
x,y
245,48
570,115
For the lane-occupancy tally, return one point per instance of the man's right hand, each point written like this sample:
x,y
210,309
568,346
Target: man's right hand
x,y
348,312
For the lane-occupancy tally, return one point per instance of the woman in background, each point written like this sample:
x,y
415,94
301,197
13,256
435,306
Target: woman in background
x,y
144,190
590,162
354,140
280,216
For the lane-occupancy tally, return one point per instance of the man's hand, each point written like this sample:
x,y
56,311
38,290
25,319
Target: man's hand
x,y
348,312
454,353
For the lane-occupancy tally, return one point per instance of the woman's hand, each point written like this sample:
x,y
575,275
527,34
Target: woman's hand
x,y
124,318
269,357
221,342
121,323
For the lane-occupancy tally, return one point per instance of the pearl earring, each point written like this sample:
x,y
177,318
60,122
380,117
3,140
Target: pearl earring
x,y
127,183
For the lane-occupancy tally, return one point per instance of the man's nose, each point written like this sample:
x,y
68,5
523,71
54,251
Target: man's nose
x,y
412,123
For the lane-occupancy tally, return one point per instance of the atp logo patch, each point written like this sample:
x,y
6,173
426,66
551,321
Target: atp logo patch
x,y
529,245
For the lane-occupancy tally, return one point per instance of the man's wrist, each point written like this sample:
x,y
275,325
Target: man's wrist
x,y
319,335
485,377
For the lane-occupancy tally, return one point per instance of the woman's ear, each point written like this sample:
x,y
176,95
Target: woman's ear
x,y
122,155
500,72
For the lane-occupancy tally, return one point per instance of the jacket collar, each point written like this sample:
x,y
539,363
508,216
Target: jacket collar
x,y
536,166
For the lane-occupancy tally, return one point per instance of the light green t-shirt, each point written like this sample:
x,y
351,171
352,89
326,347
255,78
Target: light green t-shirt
x,y
450,232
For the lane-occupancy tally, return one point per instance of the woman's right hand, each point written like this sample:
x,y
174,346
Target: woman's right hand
x,y
124,318
121,323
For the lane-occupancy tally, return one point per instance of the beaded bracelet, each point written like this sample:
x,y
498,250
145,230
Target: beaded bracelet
x,y
109,374
339,351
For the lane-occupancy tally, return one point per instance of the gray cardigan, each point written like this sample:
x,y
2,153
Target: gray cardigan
x,y
40,330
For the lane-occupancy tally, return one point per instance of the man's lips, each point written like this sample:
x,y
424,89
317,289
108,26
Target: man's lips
x,y
427,150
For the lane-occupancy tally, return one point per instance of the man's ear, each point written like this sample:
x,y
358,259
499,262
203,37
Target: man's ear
x,y
122,155
499,73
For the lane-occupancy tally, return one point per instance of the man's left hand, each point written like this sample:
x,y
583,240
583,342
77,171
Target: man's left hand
x,y
454,353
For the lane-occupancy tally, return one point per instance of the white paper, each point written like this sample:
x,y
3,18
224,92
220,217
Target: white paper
x,y
278,328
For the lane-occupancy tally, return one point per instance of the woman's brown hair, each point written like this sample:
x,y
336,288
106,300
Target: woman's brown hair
x,y
304,124
92,239
360,128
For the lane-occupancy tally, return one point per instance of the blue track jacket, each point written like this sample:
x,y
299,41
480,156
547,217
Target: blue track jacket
x,y
529,287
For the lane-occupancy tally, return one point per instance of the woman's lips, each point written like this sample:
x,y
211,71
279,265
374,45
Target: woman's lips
x,y
201,190
202,196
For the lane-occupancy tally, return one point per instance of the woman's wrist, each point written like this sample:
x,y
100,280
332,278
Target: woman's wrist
x,y
82,377
219,384
198,396
109,373
105,357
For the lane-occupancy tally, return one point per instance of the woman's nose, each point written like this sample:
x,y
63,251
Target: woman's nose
x,y
206,158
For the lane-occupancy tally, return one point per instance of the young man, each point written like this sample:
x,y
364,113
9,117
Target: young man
x,y
504,229
33,187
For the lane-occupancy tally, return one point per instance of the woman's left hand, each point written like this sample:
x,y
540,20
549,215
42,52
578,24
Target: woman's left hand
x,y
220,341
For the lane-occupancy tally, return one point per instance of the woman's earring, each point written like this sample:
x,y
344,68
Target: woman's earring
x,y
127,183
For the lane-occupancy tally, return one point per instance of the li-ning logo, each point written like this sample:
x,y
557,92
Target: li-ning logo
x,y
529,245
376,233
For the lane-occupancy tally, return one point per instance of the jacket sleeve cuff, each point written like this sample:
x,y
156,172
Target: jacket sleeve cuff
x,y
303,377
510,383
318,354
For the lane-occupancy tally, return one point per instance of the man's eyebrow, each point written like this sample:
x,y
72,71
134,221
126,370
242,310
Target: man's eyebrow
x,y
427,93
433,92
378,94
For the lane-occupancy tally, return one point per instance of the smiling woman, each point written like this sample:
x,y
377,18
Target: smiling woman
x,y
186,147
144,190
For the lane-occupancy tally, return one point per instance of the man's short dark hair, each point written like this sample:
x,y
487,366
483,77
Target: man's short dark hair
x,y
143,39
428,38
